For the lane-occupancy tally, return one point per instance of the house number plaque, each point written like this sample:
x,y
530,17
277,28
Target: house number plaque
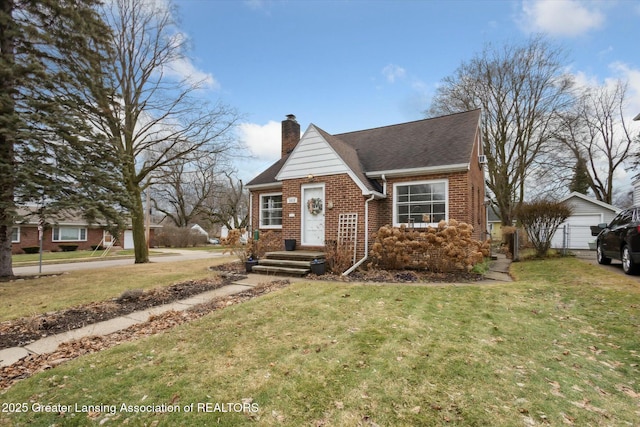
x,y
292,200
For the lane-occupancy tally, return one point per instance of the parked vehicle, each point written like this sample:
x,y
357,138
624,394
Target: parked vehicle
x,y
214,241
620,240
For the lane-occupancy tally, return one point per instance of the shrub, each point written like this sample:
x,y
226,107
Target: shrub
x,y
541,220
269,241
68,248
31,249
97,247
234,245
339,256
445,248
178,237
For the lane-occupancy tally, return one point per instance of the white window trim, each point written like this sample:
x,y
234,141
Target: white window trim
x,y
420,224
53,231
18,234
273,227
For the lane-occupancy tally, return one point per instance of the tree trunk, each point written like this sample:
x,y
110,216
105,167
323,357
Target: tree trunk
x,y
140,248
7,132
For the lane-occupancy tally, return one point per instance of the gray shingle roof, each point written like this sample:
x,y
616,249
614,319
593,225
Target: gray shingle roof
x,y
440,141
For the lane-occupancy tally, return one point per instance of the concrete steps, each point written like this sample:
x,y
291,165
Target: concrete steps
x,y
295,263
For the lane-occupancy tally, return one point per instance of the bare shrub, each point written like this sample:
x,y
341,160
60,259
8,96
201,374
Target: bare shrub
x,y
541,220
445,248
338,256
269,241
233,245
171,236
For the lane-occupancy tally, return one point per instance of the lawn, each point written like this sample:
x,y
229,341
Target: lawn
x,y
50,293
559,346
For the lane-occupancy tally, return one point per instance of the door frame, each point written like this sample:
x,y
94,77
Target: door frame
x,y
303,212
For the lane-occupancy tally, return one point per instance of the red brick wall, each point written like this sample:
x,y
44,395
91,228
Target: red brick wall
x,y
340,190
466,203
29,237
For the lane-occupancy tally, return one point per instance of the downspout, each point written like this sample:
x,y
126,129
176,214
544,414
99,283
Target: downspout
x,y
366,229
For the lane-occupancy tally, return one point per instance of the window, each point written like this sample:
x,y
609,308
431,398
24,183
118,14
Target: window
x,y
15,235
69,234
271,210
420,203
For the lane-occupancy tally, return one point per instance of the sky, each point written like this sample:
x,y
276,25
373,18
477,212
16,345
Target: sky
x,y
347,65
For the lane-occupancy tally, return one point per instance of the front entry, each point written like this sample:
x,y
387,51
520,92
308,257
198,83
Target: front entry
x,y
312,215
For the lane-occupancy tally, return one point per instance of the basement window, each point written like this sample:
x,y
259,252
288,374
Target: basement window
x,y
271,210
420,203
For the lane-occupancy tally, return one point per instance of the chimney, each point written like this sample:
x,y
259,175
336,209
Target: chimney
x,y
290,134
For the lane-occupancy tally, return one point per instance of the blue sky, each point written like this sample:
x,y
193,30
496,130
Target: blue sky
x,y
346,65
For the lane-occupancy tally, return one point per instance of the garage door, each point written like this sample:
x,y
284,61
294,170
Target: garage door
x,y
128,239
578,232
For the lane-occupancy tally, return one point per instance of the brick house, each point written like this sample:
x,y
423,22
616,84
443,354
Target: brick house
x,y
328,188
67,229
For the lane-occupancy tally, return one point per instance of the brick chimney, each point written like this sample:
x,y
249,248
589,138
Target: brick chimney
x,y
290,134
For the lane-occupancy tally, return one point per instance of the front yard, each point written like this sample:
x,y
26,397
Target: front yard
x,y
559,346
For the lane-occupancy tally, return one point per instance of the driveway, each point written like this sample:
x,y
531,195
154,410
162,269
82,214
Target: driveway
x,y
590,257
167,255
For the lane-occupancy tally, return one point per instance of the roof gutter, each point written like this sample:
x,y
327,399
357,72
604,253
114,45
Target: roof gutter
x,y
366,228
459,167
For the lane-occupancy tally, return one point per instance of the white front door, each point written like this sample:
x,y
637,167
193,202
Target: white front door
x,y
312,215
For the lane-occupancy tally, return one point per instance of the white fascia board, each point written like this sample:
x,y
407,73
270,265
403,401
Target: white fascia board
x,y
460,167
264,186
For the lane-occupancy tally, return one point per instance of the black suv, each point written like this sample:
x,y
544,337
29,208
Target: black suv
x,y
620,240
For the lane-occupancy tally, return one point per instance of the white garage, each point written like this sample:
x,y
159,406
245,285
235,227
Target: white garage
x,y
575,232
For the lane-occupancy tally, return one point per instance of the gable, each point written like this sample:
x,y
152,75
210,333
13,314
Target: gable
x,y
583,204
312,156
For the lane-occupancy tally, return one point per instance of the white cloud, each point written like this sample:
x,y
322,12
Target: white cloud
x,y
560,17
184,69
262,140
632,76
393,72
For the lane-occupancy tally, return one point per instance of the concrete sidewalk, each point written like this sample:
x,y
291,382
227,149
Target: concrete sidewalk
x,y
499,269
49,344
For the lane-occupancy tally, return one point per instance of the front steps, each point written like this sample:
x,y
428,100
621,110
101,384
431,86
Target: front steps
x,y
294,263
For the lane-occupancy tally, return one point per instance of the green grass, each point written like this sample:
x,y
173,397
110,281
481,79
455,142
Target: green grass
x,y
557,347
23,298
19,259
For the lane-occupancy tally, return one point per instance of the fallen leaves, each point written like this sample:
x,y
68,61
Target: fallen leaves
x,y
33,364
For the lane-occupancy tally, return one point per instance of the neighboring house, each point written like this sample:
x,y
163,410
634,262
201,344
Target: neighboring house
x,y
327,188
587,212
494,225
67,229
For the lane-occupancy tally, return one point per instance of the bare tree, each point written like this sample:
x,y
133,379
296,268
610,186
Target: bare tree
x,y
186,190
521,89
232,204
596,133
155,119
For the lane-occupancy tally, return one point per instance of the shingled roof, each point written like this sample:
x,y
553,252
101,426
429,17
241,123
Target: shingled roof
x,y
429,143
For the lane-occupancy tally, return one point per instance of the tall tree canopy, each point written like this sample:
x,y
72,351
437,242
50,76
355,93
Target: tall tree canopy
x,y
156,119
596,132
51,52
521,88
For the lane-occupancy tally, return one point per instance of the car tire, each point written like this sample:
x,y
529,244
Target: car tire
x,y
628,266
600,256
